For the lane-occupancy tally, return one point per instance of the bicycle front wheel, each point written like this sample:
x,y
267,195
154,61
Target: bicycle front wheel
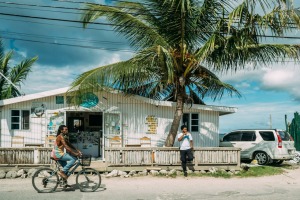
x,y
45,180
88,180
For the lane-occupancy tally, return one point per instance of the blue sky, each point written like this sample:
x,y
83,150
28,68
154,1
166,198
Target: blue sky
x,y
269,92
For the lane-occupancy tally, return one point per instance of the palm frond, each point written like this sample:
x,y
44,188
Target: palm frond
x,y
207,84
139,33
20,72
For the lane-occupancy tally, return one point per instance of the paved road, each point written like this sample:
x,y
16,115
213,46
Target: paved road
x,y
286,186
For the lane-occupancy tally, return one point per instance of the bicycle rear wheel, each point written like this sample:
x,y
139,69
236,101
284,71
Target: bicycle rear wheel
x,y
45,180
88,180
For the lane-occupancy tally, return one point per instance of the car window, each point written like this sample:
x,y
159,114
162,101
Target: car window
x,y
285,136
248,136
234,136
267,135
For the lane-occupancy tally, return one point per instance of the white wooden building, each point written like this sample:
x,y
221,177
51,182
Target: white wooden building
x,y
32,120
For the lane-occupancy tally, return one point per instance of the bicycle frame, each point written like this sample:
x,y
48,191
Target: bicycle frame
x,y
73,168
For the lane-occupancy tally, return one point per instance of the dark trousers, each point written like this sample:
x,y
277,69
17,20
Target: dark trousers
x,y
185,155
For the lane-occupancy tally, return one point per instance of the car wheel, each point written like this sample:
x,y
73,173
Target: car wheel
x,y
262,158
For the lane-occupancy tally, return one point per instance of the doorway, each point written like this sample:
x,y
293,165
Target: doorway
x,y
86,131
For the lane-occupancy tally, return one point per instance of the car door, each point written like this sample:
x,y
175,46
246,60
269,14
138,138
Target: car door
x,y
247,144
245,140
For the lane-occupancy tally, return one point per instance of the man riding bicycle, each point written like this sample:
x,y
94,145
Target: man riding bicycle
x,y
64,152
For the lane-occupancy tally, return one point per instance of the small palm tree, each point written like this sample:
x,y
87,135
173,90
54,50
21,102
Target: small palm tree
x,y
12,77
181,44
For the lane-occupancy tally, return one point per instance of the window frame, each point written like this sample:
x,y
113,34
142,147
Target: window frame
x,y
23,122
253,137
189,123
263,135
231,134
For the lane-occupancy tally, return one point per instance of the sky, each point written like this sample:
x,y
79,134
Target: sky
x,y
66,50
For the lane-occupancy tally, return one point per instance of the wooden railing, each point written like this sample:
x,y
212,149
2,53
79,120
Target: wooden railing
x,y
159,156
228,158
25,155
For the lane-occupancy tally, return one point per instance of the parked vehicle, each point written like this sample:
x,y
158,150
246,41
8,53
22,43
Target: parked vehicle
x,y
265,146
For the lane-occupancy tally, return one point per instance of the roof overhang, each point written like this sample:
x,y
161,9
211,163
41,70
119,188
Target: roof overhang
x,y
223,110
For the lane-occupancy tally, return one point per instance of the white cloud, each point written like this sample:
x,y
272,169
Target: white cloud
x,y
43,77
259,115
279,77
242,85
282,79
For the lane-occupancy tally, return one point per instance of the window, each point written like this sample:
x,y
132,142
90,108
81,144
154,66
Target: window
x,y
267,135
20,119
285,136
235,136
59,99
248,136
191,120
194,122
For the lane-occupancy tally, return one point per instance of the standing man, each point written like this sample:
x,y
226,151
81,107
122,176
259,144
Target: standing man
x,y
186,146
64,152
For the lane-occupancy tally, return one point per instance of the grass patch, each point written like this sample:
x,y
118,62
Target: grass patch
x,y
252,172
261,171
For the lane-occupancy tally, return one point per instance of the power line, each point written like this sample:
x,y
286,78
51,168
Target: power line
x,y
79,9
62,38
97,48
82,9
65,20
70,45
64,25
67,8
109,24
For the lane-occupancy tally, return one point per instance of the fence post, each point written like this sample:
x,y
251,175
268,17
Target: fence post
x,y
36,158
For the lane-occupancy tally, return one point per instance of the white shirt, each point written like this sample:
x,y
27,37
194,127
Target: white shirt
x,y
185,142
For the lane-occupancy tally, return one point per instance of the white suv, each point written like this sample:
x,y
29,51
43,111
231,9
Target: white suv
x,y
266,146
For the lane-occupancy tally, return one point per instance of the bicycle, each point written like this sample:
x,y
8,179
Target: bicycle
x,y
46,180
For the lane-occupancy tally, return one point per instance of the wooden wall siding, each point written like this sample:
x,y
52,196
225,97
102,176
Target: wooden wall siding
x,y
25,155
217,157
134,118
44,155
137,157
134,113
16,156
171,156
37,132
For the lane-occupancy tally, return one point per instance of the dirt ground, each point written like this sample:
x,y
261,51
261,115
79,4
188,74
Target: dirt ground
x,y
285,186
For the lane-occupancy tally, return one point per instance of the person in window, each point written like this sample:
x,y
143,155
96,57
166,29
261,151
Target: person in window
x,y
65,158
186,147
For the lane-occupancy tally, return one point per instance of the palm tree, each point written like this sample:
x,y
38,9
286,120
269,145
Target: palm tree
x,y
12,77
181,45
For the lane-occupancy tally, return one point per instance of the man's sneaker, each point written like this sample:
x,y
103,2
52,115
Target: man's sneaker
x,y
63,175
185,174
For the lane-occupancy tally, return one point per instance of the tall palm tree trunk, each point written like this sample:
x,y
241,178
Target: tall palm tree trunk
x,y
177,117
